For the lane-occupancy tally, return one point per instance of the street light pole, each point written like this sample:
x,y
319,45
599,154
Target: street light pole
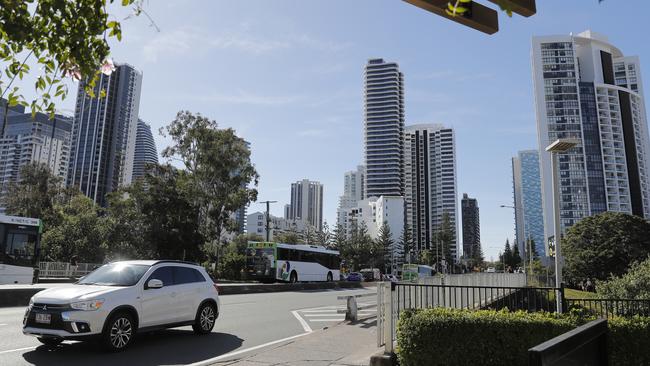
x,y
556,228
268,219
557,147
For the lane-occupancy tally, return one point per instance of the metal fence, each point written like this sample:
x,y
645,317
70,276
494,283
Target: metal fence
x,y
65,270
472,290
605,308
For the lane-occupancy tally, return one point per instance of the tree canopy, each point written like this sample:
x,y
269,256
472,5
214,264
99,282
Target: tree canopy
x,y
604,245
218,168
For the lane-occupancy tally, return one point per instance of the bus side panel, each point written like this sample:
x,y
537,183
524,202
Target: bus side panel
x,y
306,271
15,274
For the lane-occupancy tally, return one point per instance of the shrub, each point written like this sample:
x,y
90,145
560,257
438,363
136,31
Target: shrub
x,y
632,285
628,341
460,337
485,337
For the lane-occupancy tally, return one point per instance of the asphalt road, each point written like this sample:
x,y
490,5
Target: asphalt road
x,y
245,321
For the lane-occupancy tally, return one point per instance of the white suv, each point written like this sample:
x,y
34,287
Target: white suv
x,y
120,299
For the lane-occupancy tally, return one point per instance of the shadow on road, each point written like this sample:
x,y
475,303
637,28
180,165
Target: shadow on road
x,y
173,346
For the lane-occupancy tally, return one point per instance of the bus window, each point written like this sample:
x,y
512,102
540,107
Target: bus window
x,y
283,254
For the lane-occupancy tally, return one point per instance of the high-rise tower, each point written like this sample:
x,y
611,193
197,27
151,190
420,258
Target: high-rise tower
x,y
384,129
104,134
529,220
586,89
306,206
471,225
430,184
145,150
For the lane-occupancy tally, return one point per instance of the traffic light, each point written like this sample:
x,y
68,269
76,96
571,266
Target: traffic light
x,y
466,12
473,14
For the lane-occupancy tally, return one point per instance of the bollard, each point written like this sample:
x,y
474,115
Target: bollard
x,y
352,312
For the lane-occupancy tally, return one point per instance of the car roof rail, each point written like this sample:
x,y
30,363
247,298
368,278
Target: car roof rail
x,y
176,261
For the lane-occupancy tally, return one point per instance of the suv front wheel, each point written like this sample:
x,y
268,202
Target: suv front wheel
x,y
119,332
206,316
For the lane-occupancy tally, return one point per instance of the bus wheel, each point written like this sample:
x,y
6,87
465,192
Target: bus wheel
x,y
329,276
294,277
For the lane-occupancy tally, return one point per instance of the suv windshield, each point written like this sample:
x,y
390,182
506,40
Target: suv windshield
x,y
115,274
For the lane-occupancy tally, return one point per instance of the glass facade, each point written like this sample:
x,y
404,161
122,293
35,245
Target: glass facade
x,y
529,221
563,121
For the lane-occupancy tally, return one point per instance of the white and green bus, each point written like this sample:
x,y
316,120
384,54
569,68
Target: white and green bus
x,y
270,262
411,272
20,245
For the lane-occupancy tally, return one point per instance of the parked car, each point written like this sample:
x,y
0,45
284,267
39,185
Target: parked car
x,y
491,270
120,299
355,277
371,274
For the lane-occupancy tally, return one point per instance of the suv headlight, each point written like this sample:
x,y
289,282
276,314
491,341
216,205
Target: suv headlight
x,y
87,305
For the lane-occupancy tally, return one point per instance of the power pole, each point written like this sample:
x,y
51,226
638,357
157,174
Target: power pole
x,y
268,219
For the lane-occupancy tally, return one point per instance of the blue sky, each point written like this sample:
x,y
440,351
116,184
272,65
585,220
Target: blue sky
x,y
288,76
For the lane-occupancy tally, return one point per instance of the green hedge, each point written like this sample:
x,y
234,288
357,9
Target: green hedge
x,y
628,341
486,337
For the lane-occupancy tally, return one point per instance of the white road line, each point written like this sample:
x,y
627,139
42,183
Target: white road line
x,y
231,354
17,349
327,320
321,311
322,315
302,321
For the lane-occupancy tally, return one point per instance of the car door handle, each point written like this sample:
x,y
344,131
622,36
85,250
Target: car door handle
x,y
173,294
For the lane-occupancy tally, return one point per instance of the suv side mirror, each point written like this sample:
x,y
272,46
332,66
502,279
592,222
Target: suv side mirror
x,y
154,283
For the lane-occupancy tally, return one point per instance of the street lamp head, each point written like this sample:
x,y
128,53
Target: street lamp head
x,y
562,145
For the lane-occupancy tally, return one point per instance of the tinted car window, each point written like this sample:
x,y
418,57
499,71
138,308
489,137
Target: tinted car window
x,y
199,276
164,274
184,275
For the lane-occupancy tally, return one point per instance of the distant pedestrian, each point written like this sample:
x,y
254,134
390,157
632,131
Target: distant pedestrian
x,y
590,285
73,266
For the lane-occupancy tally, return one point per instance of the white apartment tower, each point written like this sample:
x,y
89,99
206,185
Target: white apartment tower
x,y
585,88
37,139
352,192
104,134
306,206
430,184
384,129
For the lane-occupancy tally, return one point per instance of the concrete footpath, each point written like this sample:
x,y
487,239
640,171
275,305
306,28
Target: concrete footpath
x,y
342,345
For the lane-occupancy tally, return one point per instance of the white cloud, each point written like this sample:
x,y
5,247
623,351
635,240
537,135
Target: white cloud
x,y
242,97
182,40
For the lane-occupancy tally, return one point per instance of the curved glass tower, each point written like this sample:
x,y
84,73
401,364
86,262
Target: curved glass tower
x,y
145,150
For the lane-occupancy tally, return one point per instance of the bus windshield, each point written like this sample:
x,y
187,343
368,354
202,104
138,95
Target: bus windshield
x,y
19,241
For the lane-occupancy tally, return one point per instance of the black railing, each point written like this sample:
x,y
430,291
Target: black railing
x,y
417,296
606,308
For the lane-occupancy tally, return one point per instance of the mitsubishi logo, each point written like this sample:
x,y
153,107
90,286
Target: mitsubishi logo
x,y
44,307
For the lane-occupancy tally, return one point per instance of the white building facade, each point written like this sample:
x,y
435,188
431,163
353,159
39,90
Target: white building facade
x,y
256,224
585,88
430,183
352,192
